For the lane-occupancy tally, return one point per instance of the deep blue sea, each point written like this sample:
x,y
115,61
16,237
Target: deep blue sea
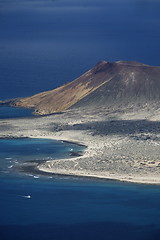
x,y
33,206
12,112
44,44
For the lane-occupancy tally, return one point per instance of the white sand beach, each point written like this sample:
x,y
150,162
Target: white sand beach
x,y
121,145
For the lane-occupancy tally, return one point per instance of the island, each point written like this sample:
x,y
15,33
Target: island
x,y
113,109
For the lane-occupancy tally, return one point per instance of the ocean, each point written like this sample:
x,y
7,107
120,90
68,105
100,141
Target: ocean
x,y
35,206
44,44
13,112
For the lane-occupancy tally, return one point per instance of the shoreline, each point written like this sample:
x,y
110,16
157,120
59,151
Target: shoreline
x,y
33,168
41,169
122,147
98,176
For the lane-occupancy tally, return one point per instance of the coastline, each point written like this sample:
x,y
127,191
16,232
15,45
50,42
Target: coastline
x,y
116,148
36,171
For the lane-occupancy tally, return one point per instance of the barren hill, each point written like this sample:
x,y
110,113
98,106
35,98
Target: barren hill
x,y
132,84
106,84
62,98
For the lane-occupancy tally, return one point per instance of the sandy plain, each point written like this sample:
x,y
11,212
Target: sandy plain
x,y
121,144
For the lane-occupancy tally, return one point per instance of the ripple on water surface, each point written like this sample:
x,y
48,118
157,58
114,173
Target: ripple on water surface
x,y
19,150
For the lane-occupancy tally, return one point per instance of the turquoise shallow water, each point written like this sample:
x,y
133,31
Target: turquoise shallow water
x,y
20,150
59,207
44,44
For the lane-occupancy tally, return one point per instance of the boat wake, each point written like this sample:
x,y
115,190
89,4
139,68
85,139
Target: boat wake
x,y
26,196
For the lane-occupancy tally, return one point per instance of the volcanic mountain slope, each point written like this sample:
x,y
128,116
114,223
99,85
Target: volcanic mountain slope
x,y
134,84
106,84
62,98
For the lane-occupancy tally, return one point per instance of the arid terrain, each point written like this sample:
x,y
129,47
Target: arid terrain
x,y
119,122
113,85
122,146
